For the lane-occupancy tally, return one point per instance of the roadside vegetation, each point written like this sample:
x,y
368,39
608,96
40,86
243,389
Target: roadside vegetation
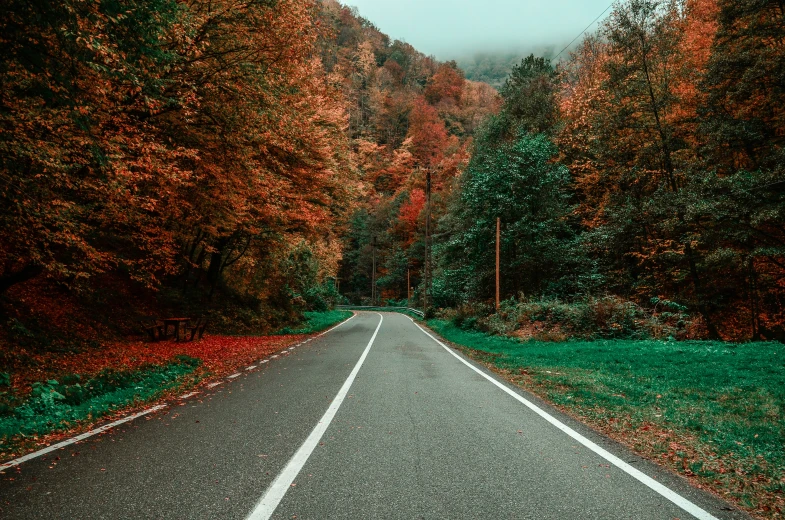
x,y
61,404
317,321
709,410
46,392
644,169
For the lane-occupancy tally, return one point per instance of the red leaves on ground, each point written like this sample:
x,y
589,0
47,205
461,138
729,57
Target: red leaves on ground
x,y
220,354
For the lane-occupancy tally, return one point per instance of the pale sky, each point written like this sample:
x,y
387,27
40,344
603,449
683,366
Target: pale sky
x,y
451,28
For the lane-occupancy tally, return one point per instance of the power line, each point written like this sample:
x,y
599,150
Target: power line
x,y
777,183
583,31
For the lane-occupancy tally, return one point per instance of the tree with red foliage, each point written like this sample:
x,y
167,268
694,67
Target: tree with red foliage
x,y
446,85
428,134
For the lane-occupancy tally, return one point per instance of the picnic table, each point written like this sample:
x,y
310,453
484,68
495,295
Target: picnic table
x,y
183,329
178,324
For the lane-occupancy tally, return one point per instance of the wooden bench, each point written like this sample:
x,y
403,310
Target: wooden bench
x,y
154,328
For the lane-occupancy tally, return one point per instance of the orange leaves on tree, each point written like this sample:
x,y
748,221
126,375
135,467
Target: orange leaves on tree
x,y
411,209
428,134
446,85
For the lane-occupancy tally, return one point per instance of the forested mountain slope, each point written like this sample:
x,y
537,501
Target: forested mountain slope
x,y
203,157
642,175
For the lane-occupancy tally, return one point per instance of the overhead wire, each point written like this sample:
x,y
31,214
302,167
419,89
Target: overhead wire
x,y
583,31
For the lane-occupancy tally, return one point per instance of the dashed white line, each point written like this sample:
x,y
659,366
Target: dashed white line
x,y
96,431
674,497
272,497
264,361
274,356
251,367
67,442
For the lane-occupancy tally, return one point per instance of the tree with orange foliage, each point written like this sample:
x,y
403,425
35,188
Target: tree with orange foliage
x,y
86,184
141,138
428,134
446,85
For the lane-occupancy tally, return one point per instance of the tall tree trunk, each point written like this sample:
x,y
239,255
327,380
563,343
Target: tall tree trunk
x,y
754,308
670,170
702,307
216,263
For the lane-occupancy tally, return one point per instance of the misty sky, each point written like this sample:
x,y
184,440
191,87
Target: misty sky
x,y
451,28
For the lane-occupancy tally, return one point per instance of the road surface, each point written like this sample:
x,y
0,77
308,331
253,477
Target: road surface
x,y
375,419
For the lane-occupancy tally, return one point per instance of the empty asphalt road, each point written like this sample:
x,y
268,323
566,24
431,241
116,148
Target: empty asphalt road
x,y
375,419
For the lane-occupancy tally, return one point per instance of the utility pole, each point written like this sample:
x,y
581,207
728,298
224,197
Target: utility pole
x,y
498,236
427,277
373,274
408,286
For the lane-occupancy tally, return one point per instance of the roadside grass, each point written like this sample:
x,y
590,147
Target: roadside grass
x,y
392,309
317,322
55,405
712,411
47,393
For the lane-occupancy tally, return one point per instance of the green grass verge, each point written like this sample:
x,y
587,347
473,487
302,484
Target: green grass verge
x,y
710,409
390,309
317,321
59,405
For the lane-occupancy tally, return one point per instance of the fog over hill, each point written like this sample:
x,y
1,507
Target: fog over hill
x,y
493,66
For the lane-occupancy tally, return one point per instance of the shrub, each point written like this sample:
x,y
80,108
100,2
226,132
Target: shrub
x,y
608,317
53,404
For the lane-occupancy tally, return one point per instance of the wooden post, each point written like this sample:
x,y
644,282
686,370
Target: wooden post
x,y
428,267
498,236
373,274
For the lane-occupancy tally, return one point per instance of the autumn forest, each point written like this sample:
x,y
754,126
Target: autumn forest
x,y
190,190
253,160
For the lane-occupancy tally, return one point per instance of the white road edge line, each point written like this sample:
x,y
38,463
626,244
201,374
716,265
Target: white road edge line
x,y
674,497
332,329
272,497
238,374
189,394
73,440
250,367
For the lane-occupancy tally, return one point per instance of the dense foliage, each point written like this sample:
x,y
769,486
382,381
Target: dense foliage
x,y
647,166
167,144
193,157
262,157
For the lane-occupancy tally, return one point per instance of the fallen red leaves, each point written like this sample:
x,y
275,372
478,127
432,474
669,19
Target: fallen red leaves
x,y
219,354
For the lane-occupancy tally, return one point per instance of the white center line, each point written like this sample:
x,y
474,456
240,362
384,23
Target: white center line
x,y
272,497
671,495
